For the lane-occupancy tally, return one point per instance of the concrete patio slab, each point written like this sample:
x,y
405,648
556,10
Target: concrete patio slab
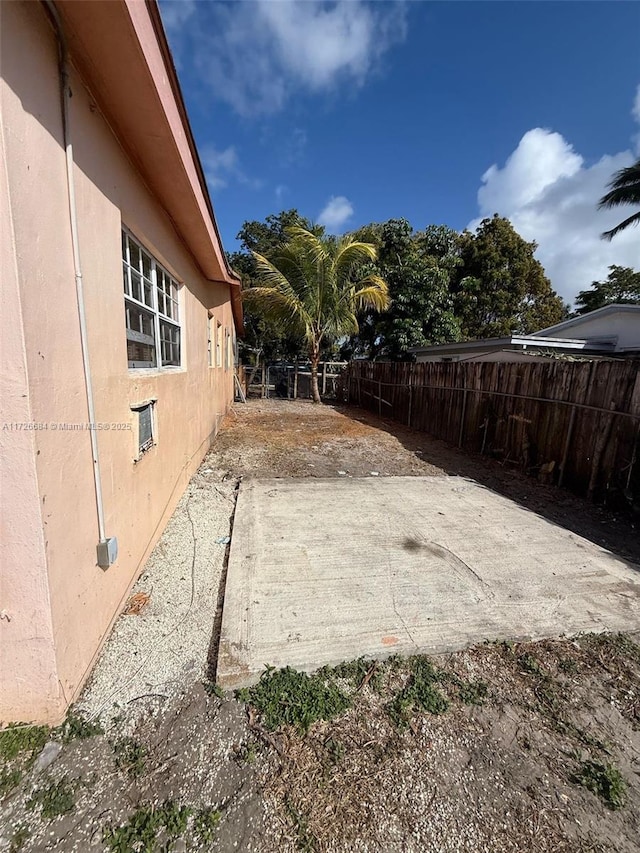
x,y
322,571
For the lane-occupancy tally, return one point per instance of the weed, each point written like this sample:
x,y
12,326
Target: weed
x,y
131,756
568,665
19,738
213,689
335,750
473,692
56,799
76,727
247,752
605,780
140,832
288,697
420,691
615,644
19,838
205,823
8,780
305,839
530,664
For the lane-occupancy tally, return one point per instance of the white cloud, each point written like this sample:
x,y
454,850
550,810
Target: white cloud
x,y
254,55
335,213
223,166
551,195
635,111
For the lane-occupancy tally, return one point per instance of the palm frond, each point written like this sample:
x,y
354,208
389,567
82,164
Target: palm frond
x,y
634,219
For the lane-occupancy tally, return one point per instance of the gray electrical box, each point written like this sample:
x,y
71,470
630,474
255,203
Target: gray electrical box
x,y
107,552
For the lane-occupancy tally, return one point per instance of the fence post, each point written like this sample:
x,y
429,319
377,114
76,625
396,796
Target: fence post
x,y
567,444
295,381
262,390
324,378
464,412
379,398
410,401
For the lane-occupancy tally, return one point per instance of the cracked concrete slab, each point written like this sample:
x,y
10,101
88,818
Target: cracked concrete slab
x,y
322,571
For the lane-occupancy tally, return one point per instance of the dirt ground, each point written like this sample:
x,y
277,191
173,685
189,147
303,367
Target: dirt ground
x,y
503,748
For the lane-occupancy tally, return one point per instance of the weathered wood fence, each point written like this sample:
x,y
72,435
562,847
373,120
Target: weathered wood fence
x,y
576,424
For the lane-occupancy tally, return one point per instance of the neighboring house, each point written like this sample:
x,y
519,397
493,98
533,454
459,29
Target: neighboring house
x,y
114,382
612,331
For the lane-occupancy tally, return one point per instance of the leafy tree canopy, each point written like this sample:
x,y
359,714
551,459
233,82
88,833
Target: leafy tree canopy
x,y
502,289
622,286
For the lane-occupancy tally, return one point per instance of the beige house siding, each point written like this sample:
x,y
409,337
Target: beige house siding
x,y
58,604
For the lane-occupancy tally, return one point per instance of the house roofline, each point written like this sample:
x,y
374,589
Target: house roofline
x,y
602,344
598,312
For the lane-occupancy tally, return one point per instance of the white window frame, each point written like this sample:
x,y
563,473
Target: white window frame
x,y
210,341
218,343
162,287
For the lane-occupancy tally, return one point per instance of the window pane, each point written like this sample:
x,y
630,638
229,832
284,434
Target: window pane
x,y
124,246
134,255
125,279
141,337
136,286
170,344
146,265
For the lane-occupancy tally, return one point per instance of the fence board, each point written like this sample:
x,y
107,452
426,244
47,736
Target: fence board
x,y
573,423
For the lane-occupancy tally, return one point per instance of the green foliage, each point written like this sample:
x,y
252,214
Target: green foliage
x,y
287,697
605,780
141,831
622,286
624,189
76,727
56,799
316,287
8,780
418,268
213,689
20,738
502,289
20,745
205,824
305,840
420,692
19,838
131,756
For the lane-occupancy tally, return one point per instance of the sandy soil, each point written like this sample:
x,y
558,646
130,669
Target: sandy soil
x,y
505,775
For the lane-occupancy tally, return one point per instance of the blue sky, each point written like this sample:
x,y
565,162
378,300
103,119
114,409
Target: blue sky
x,y
441,112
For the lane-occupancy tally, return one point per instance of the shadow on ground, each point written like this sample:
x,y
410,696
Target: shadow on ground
x,y
619,533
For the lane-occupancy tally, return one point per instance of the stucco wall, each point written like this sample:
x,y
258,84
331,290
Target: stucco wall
x,y
138,496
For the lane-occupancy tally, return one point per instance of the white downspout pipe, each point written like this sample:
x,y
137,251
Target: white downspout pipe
x,y
107,547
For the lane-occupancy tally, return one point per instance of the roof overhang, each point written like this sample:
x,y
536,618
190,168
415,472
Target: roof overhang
x,y
520,342
120,49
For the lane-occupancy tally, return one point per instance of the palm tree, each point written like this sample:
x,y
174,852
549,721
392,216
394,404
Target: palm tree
x,y
625,189
312,285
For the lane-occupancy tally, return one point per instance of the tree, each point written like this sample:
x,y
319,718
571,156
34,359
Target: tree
x,y
315,286
622,286
502,289
625,189
263,337
417,267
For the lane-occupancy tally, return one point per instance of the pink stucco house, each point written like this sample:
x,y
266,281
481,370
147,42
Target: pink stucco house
x,y
120,315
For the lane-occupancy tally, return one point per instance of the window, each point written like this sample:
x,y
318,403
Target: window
x,y
146,425
151,308
210,353
218,344
229,350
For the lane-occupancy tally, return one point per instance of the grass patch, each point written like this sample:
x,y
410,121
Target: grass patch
x,y
131,756
605,780
140,833
76,727
205,824
305,839
420,692
19,738
19,838
9,779
288,697
56,799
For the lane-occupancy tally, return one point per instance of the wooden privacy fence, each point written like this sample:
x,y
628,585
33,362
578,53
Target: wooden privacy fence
x,y
576,424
